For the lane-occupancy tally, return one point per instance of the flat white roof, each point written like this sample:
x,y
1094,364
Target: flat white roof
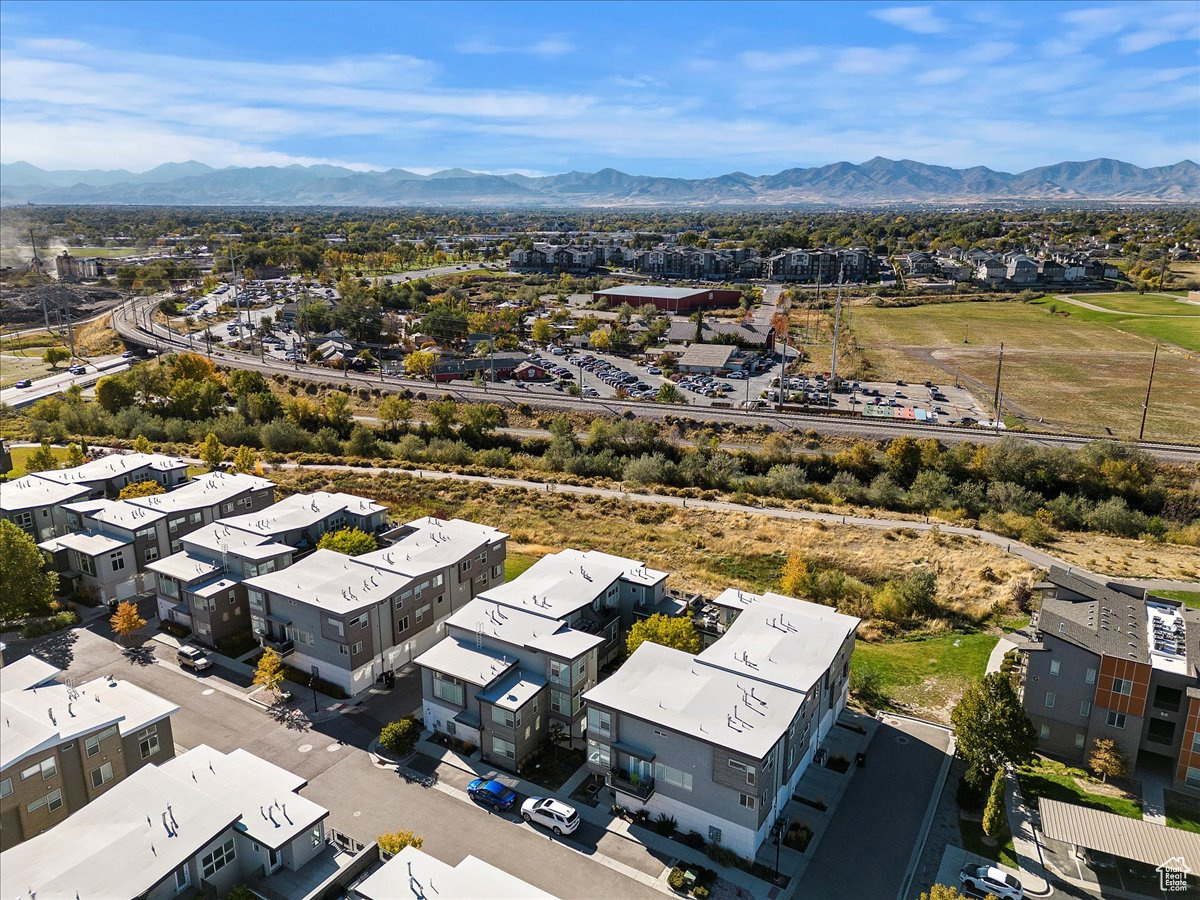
x,y
671,688
523,629
332,581
112,466
733,598
183,567
433,544
653,290
43,715
31,492
263,793
124,514
302,511
561,583
87,543
782,640
478,665
514,690
207,490
414,873
220,537
140,830
26,672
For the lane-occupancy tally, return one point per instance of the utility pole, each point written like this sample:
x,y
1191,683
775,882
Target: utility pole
x,y
837,324
1149,385
996,399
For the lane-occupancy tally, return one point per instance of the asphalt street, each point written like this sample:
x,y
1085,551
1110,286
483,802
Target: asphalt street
x,y
363,800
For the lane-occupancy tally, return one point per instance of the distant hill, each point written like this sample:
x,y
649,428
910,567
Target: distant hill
x,y
876,181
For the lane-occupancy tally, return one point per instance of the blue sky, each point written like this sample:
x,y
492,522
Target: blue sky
x,y
685,89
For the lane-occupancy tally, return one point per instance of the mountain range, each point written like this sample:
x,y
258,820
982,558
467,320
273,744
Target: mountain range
x,y
877,181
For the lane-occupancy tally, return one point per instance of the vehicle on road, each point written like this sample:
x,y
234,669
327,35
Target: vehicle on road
x,y
1098,859
24,383
491,792
128,354
554,814
77,370
991,880
193,658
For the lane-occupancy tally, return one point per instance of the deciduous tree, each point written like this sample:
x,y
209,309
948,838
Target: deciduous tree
x,y
141,444
140,489
55,355
26,588
1107,759
351,541
245,460
992,728
126,620
43,459
269,674
670,631
212,452
995,814
395,841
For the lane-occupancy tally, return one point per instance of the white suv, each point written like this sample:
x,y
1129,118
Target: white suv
x,y
554,814
991,880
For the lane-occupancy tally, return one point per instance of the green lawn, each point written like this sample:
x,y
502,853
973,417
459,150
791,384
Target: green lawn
x,y
925,674
1184,331
20,454
516,563
1055,781
1181,817
1187,598
1150,304
971,833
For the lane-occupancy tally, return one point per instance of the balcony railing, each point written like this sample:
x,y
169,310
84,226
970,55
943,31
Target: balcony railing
x,y
283,648
641,788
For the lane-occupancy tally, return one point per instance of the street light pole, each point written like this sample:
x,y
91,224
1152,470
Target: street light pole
x,y
1149,385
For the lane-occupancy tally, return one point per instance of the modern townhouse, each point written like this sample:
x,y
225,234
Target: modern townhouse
x,y
105,476
720,740
991,271
412,872
202,585
1022,270
67,745
543,257
356,619
824,266
36,504
108,544
590,591
503,676
194,826
302,519
1107,661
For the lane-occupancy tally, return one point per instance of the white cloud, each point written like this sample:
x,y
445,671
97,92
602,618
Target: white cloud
x,y
990,51
546,47
772,61
944,75
881,61
919,19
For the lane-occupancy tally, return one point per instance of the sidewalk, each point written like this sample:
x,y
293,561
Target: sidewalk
x,y
329,707
654,843
1025,840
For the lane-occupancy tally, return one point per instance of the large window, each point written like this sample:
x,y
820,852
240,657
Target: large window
x,y
93,743
448,688
599,722
745,769
51,801
169,586
599,754
85,564
148,741
183,878
505,717
212,863
747,801
501,747
102,775
47,768
1116,719
1122,686
673,776
1193,777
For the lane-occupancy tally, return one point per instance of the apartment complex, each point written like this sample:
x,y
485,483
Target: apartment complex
x,y
196,825
1109,662
106,475
107,546
719,740
66,746
355,619
519,659
36,505
822,266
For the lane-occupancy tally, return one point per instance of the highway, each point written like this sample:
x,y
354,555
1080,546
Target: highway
x,y
130,324
16,398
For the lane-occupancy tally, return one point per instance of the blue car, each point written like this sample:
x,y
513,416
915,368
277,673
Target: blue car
x,y
492,793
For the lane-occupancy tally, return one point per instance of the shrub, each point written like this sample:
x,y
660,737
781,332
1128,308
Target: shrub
x,y
175,629
994,814
399,738
237,643
665,825
972,790
677,879
694,839
393,842
700,892
39,627
722,856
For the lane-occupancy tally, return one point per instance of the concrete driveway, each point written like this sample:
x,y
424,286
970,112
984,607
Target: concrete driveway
x,y
867,848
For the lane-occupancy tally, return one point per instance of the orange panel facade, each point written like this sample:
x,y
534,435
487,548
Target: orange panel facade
x,y
1113,668
1189,758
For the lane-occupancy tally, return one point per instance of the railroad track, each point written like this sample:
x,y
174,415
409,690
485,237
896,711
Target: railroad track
x,y
125,322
